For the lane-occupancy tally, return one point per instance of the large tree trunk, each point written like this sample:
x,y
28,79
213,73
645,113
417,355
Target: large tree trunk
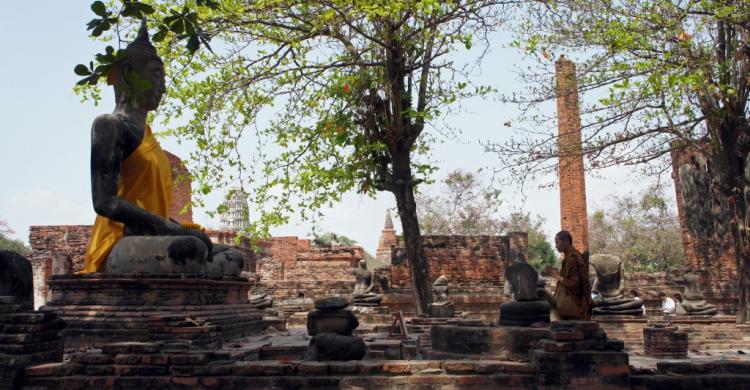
x,y
418,266
407,211
732,177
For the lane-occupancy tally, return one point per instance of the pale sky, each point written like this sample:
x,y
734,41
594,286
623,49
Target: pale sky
x,y
45,136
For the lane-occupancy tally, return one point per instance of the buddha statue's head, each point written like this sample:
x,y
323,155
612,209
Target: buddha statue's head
x,y
138,76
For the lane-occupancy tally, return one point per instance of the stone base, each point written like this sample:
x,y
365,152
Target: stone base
x,y
452,341
335,347
100,308
578,355
441,310
524,313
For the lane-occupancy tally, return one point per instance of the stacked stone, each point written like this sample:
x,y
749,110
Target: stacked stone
x,y
331,327
665,342
27,338
578,355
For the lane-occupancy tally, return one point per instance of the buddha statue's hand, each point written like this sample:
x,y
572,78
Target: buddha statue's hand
x,y
178,230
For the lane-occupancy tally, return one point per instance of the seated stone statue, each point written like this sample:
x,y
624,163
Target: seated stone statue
x,y
531,303
363,295
610,298
693,302
441,307
131,183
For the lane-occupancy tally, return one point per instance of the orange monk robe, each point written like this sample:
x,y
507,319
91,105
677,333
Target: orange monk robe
x,y
145,181
576,284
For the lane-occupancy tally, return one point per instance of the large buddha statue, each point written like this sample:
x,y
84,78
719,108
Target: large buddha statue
x,y
131,183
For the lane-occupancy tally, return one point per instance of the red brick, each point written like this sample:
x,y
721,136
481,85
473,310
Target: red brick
x,y
458,366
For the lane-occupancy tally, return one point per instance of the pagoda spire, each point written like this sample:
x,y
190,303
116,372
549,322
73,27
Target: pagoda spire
x,y
388,220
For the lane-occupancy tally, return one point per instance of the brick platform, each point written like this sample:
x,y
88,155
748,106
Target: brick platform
x,y
686,375
476,342
101,308
704,333
27,338
665,342
178,366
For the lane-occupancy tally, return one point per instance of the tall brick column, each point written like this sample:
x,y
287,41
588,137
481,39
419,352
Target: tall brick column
x,y
573,215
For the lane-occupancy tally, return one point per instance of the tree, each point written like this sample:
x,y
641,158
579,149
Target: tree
x,y
641,229
356,84
7,243
663,71
465,207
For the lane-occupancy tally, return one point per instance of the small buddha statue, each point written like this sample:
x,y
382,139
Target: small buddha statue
x,y
441,307
363,295
131,183
693,302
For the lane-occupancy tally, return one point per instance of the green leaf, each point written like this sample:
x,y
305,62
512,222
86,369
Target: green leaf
x,y
99,8
193,43
160,35
82,70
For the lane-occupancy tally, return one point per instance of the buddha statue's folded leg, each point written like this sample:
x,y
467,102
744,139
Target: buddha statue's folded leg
x,y
157,254
227,261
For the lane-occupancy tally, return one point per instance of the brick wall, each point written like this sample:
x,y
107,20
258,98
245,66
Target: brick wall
x,y
289,258
270,269
471,263
48,241
573,215
180,209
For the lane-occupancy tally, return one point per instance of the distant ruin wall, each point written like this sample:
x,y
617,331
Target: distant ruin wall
x,y
471,263
64,241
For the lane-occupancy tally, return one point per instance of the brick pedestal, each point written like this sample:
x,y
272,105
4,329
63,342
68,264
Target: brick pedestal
x,y
27,338
102,308
578,355
471,342
665,342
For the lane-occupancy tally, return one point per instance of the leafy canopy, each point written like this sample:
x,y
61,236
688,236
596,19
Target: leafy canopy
x,y
642,229
331,90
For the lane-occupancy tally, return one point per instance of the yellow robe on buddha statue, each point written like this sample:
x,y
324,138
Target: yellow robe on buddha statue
x,y
145,181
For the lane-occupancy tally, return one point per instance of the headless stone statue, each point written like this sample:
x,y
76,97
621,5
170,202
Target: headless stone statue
x,y
363,295
610,294
693,302
16,277
131,183
531,302
441,307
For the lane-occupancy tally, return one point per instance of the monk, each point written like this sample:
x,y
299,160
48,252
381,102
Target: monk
x,y
131,181
573,293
